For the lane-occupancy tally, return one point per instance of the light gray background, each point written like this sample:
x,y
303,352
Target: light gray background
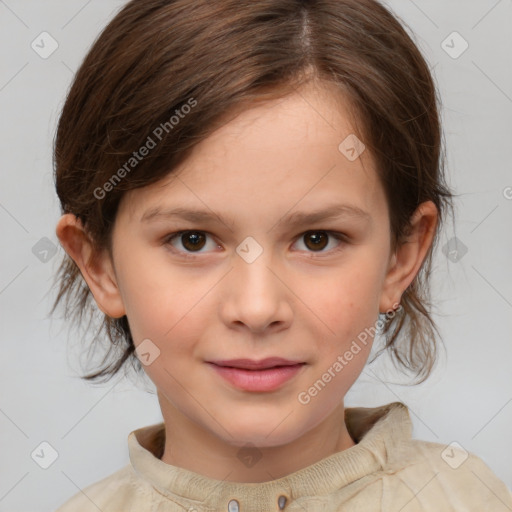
x,y
468,398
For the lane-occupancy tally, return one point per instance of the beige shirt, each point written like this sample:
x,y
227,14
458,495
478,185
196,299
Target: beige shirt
x,y
386,471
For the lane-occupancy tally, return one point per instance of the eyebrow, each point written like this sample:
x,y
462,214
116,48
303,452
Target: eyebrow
x,y
335,211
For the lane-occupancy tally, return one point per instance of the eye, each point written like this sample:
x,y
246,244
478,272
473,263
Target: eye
x,y
194,241
316,241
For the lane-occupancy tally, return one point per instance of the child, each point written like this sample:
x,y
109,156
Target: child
x,y
250,190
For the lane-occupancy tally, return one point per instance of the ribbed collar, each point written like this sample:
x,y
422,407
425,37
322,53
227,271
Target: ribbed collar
x,y
381,433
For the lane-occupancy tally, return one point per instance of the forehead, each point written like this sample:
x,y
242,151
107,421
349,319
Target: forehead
x,y
272,156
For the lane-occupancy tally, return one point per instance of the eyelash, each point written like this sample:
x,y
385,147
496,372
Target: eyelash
x,y
341,237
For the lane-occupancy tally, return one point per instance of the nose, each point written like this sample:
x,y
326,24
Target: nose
x,y
256,295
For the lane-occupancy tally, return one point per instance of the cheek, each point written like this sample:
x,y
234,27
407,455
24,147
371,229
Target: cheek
x,y
167,306
151,303
345,301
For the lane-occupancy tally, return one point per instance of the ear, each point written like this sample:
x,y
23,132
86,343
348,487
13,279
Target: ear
x,y
406,262
96,266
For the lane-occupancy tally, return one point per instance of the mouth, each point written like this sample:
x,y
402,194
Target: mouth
x,y
259,369
252,365
269,378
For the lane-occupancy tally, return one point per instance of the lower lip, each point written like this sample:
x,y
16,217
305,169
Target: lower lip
x,y
258,380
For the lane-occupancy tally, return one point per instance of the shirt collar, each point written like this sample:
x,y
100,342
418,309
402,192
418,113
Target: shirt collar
x,y
380,434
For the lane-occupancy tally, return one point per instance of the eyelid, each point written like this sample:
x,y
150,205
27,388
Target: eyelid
x,y
339,236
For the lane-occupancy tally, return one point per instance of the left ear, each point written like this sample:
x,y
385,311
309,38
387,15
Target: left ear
x,y
406,262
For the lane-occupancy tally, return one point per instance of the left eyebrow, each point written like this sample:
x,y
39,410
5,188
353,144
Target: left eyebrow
x,y
333,212
293,219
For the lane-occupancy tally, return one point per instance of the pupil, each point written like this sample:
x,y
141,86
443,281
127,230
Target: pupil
x,y
318,239
192,240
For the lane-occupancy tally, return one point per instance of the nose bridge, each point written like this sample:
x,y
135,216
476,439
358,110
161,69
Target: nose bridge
x,y
252,272
256,296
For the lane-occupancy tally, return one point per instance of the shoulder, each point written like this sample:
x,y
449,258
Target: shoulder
x,y
433,476
121,490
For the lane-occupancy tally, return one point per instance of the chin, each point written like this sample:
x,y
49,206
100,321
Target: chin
x,y
266,436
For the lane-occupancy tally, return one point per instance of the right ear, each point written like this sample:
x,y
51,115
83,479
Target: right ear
x,y
96,267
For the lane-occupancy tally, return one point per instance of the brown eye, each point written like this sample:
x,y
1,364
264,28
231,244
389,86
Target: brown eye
x,y
193,240
188,243
316,240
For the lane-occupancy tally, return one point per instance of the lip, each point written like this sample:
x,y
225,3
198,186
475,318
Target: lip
x,y
250,364
268,379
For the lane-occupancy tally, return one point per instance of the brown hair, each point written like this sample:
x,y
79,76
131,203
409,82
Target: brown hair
x,y
183,65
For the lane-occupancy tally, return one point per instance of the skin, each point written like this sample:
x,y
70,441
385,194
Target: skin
x,y
295,300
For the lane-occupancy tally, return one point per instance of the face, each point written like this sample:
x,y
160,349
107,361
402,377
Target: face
x,y
252,277
301,291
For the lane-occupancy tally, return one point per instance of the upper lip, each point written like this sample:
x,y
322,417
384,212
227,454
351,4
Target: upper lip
x,y
250,364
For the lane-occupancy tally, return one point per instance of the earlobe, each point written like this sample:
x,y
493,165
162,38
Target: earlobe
x,y
96,267
408,258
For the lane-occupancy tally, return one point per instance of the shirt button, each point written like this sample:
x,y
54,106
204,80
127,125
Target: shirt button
x,y
233,506
281,502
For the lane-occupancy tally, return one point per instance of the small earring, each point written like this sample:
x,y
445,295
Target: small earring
x,y
396,306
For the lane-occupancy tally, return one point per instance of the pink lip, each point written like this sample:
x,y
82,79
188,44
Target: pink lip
x,y
249,364
258,380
